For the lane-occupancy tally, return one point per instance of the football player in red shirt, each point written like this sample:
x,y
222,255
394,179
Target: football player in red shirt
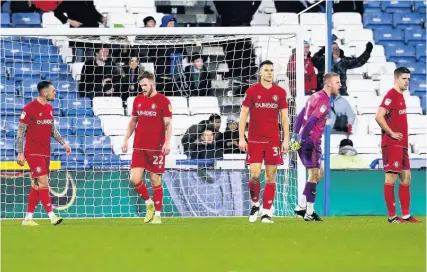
x,y
391,116
263,102
152,122
37,125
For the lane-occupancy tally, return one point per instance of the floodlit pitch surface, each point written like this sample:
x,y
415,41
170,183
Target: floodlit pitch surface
x,y
214,244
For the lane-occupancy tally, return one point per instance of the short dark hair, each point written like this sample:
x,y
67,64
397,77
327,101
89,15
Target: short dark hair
x,y
328,76
147,75
265,62
195,57
147,19
100,46
43,85
209,128
401,70
213,117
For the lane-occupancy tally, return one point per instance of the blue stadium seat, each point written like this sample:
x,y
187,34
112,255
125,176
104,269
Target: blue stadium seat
x,y
100,160
96,145
66,89
22,70
78,107
405,20
45,53
423,104
377,20
73,161
7,146
420,53
400,54
415,37
26,20
389,37
417,69
52,71
11,125
27,87
16,51
71,140
11,105
86,126
396,6
420,6
418,87
5,20
63,125
7,86
5,158
37,41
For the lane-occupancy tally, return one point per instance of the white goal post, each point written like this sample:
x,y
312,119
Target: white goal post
x,y
87,189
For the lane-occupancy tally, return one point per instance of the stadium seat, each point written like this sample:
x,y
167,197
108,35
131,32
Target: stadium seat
x,y
107,106
418,87
16,51
52,71
22,70
368,105
413,105
420,6
11,125
26,20
313,18
405,20
11,105
417,124
284,18
377,54
179,105
346,18
71,140
389,36
419,144
417,69
415,37
63,125
364,144
361,87
424,104
96,145
129,105
28,87
5,20
86,126
397,6
181,123
117,142
358,35
376,69
78,107
114,125
7,147
66,89
386,82
137,6
49,20
45,53
260,19
377,20
110,6
401,54
125,20
420,53
76,70
7,87
74,161
103,160
203,105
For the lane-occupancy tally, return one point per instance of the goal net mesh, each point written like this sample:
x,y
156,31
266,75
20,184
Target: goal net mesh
x,y
95,81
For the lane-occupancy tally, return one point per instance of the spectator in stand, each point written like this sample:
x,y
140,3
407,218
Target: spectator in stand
x,y
169,21
348,158
196,77
205,147
194,132
310,80
342,115
340,64
129,80
236,13
99,75
230,141
149,21
22,7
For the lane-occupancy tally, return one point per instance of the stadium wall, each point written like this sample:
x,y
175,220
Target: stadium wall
x,y
107,193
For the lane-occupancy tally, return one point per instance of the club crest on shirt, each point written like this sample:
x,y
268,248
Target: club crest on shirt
x,y
40,114
275,98
153,106
259,97
387,101
170,107
23,114
139,105
323,108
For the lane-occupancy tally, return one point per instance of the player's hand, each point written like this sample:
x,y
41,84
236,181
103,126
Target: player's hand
x,y
296,145
20,159
243,145
285,147
294,138
125,147
74,23
67,149
396,135
166,148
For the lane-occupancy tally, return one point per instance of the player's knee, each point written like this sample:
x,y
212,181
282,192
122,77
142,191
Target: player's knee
x,y
321,174
255,176
42,182
390,178
134,179
406,180
155,179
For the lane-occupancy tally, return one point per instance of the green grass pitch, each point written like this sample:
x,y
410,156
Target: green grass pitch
x,y
214,244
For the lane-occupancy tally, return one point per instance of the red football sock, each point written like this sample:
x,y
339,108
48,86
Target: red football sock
x,y
158,197
405,198
268,197
254,189
142,190
33,200
45,199
389,199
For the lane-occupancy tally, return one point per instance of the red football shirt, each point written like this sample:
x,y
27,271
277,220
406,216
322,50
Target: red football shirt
x,y
39,119
264,107
150,128
396,118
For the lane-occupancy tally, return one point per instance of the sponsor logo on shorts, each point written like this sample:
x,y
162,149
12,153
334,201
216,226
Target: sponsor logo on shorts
x,y
38,169
387,101
44,122
396,164
266,105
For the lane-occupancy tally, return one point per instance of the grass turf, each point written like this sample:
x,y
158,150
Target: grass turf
x,y
215,244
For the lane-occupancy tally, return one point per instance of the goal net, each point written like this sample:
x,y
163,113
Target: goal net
x,y
203,71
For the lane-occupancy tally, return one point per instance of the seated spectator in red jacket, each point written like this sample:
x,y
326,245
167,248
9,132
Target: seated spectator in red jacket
x,y
310,80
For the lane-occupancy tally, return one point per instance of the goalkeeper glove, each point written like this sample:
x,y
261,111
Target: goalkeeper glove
x,y
295,144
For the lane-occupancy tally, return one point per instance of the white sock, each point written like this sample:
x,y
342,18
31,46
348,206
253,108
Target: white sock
x,y
302,202
267,212
51,215
148,201
256,204
406,216
157,213
29,216
310,208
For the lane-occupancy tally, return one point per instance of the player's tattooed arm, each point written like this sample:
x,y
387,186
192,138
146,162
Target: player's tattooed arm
x,y
22,129
57,136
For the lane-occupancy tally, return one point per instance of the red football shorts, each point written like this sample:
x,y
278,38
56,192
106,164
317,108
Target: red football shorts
x,y
395,158
267,152
39,165
151,160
